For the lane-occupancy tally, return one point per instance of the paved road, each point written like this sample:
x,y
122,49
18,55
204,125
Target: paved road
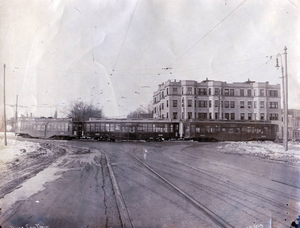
x,y
169,184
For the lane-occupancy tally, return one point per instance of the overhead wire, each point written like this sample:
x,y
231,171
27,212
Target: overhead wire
x,y
125,35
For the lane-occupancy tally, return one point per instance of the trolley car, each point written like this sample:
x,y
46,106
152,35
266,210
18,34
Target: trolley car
x,y
229,130
58,128
130,129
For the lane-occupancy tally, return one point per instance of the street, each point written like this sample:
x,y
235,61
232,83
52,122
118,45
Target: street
x,y
157,184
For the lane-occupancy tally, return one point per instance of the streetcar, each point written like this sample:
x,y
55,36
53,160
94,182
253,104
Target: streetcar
x,y
147,129
216,130
130,129
56,128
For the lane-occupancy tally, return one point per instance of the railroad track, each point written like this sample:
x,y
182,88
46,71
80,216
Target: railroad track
x,y
220,222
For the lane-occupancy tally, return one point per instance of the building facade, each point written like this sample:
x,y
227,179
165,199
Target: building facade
x,y
188,99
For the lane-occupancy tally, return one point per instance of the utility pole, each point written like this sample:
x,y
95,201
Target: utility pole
x,y
285,98
286,101
5,139
16,118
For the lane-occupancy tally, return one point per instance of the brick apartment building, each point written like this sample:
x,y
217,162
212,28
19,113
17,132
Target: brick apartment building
x,y
211,100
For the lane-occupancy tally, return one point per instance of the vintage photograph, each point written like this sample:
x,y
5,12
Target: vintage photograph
x,y
149,113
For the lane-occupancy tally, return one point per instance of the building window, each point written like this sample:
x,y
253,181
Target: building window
x,y
249,116
189,115
232,104
227,116
209,103
202,115
262,104
231,92
174,115
167,103
217,91
262,116
202,91
232,116
242,116
175,90
154,100
182,90
226,104
162,116
167,115
216,103
154,109
249,93
216,116
162,106
273,105
273,93
255,104
190,103
242,105
209,91
174,103
162,94
167,91
273,116
202,104
262,92
189,90
241,92
249,104
210,116
226,92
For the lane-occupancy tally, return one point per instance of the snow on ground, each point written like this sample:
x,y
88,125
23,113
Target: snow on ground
x,y
266,150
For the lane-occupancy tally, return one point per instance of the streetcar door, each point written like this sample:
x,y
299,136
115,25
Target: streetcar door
x,y
132,132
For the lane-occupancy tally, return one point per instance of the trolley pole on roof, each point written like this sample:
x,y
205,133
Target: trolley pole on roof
x,y
4,116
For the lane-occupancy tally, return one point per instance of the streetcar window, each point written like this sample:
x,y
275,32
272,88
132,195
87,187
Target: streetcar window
x,y
144,127
112,127
102,127
237,130
150,127
98,127
172,128
198,129
193,128
93,127
208,129
218,128
106,127
213,130
166,128
230,130
118,127
140,127
223,129
88,127
66,127
124,129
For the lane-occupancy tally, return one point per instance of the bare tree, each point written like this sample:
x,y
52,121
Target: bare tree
x,y
140,112
81,111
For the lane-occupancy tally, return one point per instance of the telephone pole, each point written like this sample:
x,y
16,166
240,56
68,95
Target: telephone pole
x,y
285,98
16,118
286,101
4,116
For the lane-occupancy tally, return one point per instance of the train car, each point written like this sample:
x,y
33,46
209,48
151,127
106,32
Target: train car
x,y
130,129
229,130
56,128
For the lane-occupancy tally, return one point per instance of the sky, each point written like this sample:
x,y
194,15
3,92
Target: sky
x,y
111,53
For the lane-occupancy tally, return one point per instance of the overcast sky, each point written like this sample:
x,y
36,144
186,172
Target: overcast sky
x,y
111,53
